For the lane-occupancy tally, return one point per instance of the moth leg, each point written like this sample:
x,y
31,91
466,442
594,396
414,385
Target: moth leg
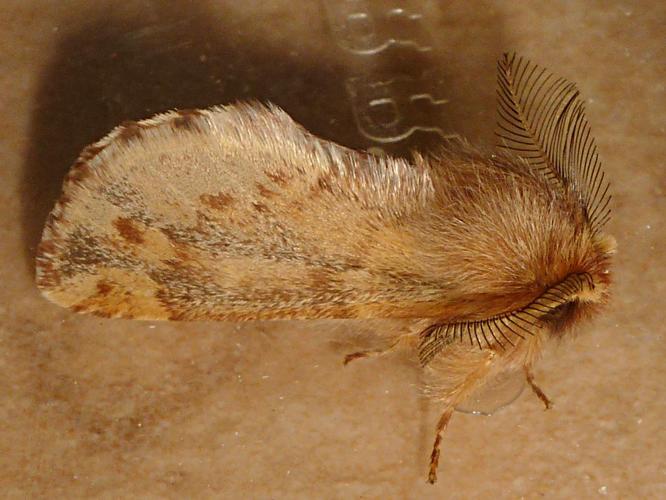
x,y
434,456
372,352
535,388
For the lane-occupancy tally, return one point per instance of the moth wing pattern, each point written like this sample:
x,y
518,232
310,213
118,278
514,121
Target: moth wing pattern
x,y
238,213
235,213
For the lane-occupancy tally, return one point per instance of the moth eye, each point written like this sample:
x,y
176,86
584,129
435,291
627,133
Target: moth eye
x,y
560,311
561,317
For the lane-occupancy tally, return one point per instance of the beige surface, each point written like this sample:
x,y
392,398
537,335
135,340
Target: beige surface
x,y
96,407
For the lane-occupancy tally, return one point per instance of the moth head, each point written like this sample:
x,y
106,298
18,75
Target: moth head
x,y
588,299
577,297
541,119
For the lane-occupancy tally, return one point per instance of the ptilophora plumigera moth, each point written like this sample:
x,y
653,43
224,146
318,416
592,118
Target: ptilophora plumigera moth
x,y
237,213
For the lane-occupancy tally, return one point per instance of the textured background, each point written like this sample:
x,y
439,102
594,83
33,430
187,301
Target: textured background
x,y
95,407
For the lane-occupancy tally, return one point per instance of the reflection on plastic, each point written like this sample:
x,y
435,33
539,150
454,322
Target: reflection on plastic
x,y
388,107
392,110
500,392
356,29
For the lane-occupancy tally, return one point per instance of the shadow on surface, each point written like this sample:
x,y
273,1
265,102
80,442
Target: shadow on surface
x,y
181,55
128,67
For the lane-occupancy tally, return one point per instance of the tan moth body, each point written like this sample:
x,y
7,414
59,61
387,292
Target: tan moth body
x,y
237,213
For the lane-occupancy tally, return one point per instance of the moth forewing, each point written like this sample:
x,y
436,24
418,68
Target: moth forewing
x,y
238,213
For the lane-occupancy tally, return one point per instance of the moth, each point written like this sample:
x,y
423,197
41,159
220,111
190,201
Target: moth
x,y
237,213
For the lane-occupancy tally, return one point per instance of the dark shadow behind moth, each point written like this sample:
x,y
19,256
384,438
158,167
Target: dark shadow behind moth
x,y
238,213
